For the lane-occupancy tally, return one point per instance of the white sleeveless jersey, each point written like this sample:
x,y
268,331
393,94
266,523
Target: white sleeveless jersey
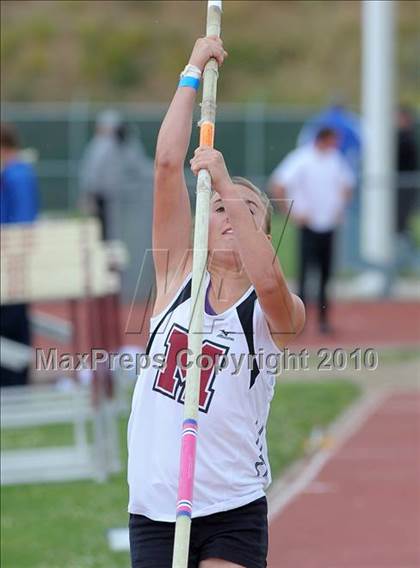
x,y
232,466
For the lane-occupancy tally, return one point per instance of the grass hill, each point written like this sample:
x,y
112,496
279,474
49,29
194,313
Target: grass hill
x,y
288,52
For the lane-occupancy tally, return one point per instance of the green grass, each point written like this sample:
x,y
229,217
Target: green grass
x,y
299,407
61,525
415,228
64,525
284,238
400,355
52,435
74,49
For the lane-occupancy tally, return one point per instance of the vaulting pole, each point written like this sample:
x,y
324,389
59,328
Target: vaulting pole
x,y
192,389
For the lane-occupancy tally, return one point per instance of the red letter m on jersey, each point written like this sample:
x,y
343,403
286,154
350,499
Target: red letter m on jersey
x,y
170,381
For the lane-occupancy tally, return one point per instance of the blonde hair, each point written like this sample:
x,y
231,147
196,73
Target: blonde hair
x,y
238,180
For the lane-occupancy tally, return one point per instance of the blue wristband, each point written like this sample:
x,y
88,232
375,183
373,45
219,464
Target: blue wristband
x,y
188,81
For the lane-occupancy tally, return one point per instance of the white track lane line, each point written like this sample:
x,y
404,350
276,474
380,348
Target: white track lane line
x,y
283,492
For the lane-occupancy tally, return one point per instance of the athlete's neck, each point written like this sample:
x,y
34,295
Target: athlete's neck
x,y
228,284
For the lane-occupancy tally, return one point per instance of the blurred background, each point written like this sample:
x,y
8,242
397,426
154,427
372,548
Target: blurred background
x,y
85,86
62,62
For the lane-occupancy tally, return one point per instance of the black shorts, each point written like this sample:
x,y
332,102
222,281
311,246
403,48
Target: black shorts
x,y
239,536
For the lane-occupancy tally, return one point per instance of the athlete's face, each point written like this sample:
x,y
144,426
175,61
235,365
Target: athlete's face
x,y
221,233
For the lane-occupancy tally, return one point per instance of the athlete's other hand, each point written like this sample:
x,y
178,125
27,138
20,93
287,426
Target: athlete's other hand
x,y
204,49
212,160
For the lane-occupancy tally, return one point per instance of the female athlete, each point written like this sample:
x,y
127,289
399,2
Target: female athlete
x,y
249,314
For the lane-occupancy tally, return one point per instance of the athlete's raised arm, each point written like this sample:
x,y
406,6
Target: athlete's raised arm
x,y
172,213
284,311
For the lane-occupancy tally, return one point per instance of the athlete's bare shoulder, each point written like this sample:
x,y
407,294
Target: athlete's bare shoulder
x,y
167,285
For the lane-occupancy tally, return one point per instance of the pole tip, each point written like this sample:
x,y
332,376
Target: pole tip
x,y
215,3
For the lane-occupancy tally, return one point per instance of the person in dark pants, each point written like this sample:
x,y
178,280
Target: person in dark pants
x,y
14,325
408,195
407,163
314,183
19,203
316,249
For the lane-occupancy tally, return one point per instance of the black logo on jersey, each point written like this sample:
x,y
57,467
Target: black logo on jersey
x,y
170,381
225,335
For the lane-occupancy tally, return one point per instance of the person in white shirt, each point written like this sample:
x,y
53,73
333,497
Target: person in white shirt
x,y
249,311
315,183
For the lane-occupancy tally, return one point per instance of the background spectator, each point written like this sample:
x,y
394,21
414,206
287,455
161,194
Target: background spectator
x,y
408,185
19,204
318,181
112,169
19,188
348,128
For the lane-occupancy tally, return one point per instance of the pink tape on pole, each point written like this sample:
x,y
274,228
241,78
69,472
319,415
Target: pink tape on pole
x,y
186,481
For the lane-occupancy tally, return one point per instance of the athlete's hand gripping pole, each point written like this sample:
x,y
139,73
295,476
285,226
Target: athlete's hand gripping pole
x,y
195,335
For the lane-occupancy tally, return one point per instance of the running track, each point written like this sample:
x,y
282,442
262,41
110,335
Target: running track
x,y
363,508
358,324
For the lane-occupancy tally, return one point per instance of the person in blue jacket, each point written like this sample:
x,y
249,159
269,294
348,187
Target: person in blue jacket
x,y
19,187
345,123
19,203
